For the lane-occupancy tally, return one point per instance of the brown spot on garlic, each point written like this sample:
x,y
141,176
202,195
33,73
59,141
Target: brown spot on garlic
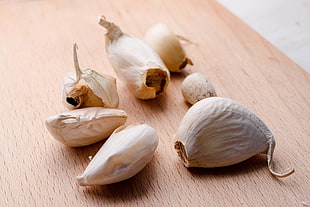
x,y
156,79
217,132
135,62
83,96
196,87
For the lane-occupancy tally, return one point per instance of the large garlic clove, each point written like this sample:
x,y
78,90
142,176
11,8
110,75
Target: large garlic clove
x,y
135,62
86,88
85,126
167,45
123,155
196,87
217,132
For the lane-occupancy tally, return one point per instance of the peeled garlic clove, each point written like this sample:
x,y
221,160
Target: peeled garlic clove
x,y
122,156
217,132
86,88
85,126
167,45
196,87
135,62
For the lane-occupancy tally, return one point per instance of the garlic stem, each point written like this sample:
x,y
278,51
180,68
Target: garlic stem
x,y
286,172
75,96
76,63
113,31
180,37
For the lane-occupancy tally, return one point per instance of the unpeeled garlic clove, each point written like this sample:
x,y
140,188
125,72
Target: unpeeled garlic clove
x,y
217,132
135,62
126,152
167,45
85,126
86,88
196,87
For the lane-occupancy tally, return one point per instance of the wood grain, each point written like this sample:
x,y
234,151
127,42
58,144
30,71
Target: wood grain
x,y
36,39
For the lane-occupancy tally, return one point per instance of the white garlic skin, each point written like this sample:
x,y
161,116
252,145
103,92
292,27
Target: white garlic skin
x,y
217,132
167,45
196,87
85,126
134,61
126,152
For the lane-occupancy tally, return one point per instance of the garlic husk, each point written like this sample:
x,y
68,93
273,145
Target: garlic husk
x,y
126,152
196,87
167,45
86,88
135,62
85,126
217,132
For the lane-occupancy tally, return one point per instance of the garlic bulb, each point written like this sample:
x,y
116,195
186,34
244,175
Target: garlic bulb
x,y
217,132
123,155
167,45
85,126
87,87
196,87
135,62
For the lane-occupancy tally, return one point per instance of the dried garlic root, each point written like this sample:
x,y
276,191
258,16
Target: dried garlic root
x,y
86,88
167,45
85,126
123,155
135,62
217,132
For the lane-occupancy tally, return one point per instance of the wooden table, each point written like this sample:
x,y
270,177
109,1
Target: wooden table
x,y
36,39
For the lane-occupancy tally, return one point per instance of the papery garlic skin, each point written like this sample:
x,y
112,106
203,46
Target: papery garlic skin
x,y
135,62
85,126
126,152
86,88
196,87
217,132
167,45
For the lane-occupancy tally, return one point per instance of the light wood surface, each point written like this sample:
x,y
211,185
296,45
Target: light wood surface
x,y
36,39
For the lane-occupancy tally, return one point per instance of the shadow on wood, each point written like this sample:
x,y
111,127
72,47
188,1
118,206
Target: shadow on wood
x,y
248,166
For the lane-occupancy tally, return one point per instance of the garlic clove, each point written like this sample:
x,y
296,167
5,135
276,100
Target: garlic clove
x,y
217,132
167,45
85,126
135,62
128,150
196,87
86,88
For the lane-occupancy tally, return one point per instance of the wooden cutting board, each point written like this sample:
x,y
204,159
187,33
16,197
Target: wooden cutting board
x,y
36,40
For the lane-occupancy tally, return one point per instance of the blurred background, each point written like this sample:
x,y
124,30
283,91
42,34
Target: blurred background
x,y
284,23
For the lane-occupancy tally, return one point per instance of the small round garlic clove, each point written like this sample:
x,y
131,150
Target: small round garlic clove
x,y
126,152
217,132
167,45
135,62
85,126
196,87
